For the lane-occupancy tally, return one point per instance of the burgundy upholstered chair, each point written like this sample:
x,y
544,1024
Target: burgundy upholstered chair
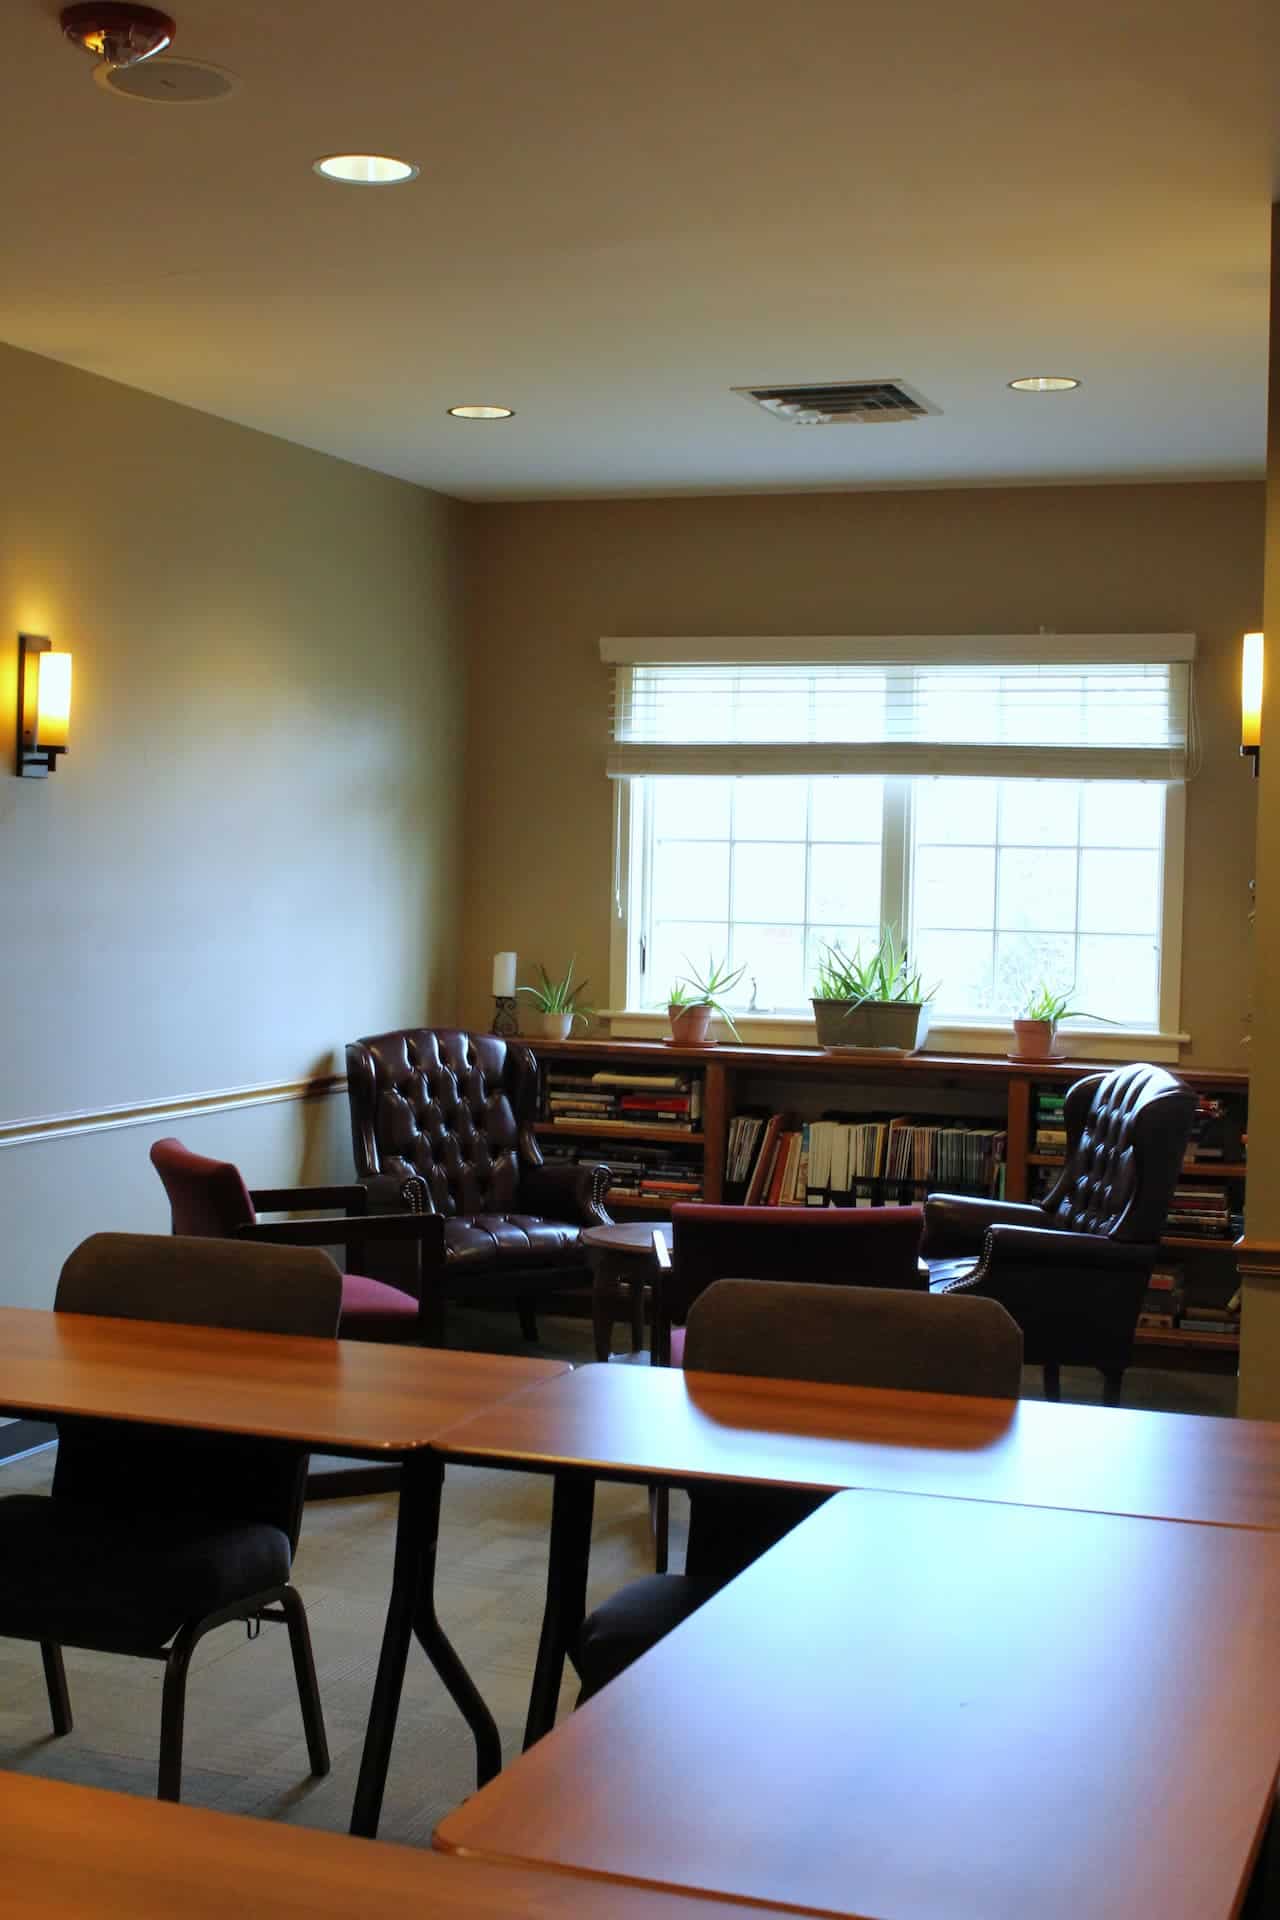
x,y
452,1113
209,1199
827,1246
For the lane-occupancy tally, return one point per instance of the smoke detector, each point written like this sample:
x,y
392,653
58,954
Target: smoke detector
x,y
842,403
117,32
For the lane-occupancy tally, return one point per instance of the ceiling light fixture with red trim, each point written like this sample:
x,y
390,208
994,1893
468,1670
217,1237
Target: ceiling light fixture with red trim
x,y
117,32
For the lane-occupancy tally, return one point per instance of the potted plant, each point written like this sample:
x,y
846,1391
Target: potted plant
x,y
695,996
874,1003
1035,1027
557,1003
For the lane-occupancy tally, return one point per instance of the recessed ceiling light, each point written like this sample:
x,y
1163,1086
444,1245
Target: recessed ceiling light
x,y
483,413
365,169
1044,383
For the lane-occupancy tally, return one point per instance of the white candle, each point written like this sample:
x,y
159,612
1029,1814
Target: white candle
x,y
504,975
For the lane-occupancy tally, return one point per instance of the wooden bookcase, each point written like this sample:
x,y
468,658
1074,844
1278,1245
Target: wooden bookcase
x,y
1003,1090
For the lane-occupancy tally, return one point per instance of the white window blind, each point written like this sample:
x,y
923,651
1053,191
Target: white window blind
x,y
1106,708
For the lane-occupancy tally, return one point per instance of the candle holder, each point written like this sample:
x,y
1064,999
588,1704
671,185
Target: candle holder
x,y
506,1018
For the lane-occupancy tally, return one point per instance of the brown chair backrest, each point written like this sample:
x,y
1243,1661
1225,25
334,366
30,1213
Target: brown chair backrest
x,y
200,1283
1127,1132
834,1336
445,1107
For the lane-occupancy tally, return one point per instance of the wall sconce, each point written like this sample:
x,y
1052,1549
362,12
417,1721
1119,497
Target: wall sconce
x,y
1251,699
44,705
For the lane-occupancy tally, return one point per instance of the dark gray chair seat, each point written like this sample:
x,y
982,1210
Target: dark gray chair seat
x,y
152,1536
79,1576
836,1336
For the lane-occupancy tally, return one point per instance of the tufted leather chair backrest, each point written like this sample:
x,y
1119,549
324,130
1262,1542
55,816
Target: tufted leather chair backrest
x,y
1127,1133
445,1107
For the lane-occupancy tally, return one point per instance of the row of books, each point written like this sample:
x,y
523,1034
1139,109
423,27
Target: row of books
x,y
1201,1210
1165,1306
623,1099
1049,1121
1216,1132
774,1161
654,1172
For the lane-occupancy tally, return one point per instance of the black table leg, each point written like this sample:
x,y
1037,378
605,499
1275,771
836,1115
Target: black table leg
x,y
566,1604
412,1609
416,1520
444,1658
1262,1898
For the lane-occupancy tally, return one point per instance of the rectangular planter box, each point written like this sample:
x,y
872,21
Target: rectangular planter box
x,y
897,1025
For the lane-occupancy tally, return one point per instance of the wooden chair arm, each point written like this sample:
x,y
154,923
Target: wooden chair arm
x,y
340,1228
301,1199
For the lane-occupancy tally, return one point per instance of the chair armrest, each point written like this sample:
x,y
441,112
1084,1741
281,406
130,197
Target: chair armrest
x,y
1053,1250
300,1199
573,1193
428,1228
391,1193
954,1224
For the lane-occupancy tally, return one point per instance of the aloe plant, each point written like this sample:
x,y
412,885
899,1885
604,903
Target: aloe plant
x,y
885,975
708,989
1043,1003
558,996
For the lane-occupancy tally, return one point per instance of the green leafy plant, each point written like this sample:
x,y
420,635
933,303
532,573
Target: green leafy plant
x,y
885,975
1043,1003
559,996
710,988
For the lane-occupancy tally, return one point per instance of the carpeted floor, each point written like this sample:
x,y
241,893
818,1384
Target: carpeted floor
x,y
244,1748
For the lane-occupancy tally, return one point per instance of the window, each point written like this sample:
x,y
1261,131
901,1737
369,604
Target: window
x,y
774,808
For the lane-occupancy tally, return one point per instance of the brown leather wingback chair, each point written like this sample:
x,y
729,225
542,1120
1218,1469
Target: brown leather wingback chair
x,y
1073,1268
451,1114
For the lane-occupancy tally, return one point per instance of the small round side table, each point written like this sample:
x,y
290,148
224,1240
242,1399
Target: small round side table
x,y
621,1261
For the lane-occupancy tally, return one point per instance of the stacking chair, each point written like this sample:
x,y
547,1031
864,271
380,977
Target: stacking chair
x,y
835,1336
152,1536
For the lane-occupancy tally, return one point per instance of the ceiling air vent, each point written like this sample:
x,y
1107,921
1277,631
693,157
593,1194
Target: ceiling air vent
x,y
843,403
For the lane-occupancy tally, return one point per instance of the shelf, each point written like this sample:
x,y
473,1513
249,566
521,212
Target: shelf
x,y
645,1202
830,1066
1187,1340
615,1130
1200,1170
1201,1242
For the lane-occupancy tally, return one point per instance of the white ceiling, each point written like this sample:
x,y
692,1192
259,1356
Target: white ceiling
x,y
624,210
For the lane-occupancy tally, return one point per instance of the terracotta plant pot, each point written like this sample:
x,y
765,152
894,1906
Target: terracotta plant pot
x,y
555,1026
1033,1039
691,1026
897,1026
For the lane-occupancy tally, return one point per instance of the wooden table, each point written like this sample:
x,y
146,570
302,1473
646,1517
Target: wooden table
x,y
926,1709
335,1396
620,1255
663,1424
70,1852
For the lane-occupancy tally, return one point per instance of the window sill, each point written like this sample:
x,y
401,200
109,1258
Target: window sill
x,y
797,1030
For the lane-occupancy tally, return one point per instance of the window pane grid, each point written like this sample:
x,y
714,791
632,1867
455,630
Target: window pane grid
x,y
1009,884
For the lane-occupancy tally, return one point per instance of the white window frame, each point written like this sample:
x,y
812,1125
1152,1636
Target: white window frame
x,y
632,880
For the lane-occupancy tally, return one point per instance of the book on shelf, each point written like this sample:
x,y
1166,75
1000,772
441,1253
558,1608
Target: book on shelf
x,y
636,1099
779,1161
1163,1301
1216,1132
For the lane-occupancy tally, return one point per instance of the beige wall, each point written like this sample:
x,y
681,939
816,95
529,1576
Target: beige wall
x,y
549,579
1260,1343
250,853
